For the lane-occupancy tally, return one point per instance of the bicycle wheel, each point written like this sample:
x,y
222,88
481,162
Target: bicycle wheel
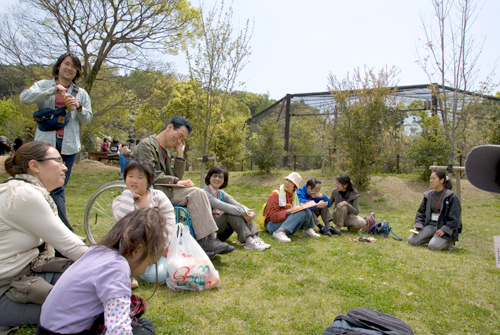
x,y
98,217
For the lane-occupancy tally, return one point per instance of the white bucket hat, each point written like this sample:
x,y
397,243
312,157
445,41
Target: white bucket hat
x,y
295,178
481,167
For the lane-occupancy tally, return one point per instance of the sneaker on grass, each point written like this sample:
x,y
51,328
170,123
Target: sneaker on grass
x,y
281,236
310,233
260,241
253,244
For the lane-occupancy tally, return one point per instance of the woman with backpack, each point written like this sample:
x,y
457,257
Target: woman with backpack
x,y
438,218
345,203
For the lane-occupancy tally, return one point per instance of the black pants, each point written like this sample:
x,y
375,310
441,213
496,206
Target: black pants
x,y
143,327
4,149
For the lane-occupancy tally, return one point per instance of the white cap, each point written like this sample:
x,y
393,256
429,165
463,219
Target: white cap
x,y
295,178
481,167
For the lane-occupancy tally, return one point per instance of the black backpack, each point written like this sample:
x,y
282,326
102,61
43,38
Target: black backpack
x,y
363,321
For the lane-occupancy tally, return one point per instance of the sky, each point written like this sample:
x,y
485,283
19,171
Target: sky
x,y
297,44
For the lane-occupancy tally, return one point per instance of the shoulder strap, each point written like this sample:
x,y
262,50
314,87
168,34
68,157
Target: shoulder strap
x,y
75,90
221,195
394,236
15,178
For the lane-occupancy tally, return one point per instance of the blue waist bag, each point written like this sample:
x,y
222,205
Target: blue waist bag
x,y
49,119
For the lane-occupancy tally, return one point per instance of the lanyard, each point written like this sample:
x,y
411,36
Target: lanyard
x,y
437,205
161,150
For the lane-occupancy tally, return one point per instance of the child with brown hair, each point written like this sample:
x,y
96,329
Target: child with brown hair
x,y
139,175
96,288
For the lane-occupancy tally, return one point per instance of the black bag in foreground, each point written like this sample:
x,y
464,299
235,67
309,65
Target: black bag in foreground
x,y
361,321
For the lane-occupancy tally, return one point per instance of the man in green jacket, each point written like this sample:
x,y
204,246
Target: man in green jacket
x,y
181,192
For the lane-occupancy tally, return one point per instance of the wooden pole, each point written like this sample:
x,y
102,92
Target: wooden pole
x,y
457,172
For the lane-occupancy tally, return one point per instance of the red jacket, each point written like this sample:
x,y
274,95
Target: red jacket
x,y
274,212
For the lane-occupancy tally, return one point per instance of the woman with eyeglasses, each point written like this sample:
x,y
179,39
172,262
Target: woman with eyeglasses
x,y
230,215
30,232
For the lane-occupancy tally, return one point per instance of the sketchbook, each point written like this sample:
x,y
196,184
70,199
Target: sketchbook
x,y
304,206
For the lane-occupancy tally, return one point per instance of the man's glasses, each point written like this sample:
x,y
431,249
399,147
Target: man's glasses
x,y
57,159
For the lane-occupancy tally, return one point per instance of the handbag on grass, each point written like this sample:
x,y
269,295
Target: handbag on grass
x,y
188,266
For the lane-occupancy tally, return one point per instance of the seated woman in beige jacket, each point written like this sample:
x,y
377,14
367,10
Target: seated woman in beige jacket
x,y
30,232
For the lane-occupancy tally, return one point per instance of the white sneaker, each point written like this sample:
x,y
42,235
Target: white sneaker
x,y
253,244
261,242
281,236
310,233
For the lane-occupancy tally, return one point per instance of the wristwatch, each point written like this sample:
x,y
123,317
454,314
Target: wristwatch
x,y
176,180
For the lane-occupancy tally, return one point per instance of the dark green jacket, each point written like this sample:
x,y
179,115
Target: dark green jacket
x,y
150,150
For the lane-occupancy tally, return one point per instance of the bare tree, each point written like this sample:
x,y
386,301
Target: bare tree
x,y
214,65
117,32
451,59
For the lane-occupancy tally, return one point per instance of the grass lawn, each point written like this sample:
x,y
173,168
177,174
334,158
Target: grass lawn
x,y
299,287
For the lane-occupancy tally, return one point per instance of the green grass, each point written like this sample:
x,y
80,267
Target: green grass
x,y
299,288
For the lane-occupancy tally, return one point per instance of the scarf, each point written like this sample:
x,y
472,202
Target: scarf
x,y
216,193
282,197
14,190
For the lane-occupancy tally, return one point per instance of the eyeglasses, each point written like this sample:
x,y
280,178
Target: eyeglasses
x,y
216,176
180,135
57,159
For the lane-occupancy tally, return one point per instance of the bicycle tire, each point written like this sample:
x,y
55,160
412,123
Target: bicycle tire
x,y
100,205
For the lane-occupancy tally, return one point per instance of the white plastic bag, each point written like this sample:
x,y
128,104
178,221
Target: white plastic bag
x,y
188,266
150,274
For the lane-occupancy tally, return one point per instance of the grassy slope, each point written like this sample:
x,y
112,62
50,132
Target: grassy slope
x,y
300,287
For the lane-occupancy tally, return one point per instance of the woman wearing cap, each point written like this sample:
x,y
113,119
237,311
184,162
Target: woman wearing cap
x,y
438,219
28,218
280,219
345,203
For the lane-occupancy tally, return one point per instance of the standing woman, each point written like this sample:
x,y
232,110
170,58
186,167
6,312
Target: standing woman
x,y
28,218
230,215
345,203
438,219
52,94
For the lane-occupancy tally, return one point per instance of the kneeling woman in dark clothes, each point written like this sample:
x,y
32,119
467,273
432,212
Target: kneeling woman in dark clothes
x,y
438,219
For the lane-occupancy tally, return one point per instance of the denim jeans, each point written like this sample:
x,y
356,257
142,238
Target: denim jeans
x,y
293,222
58,193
